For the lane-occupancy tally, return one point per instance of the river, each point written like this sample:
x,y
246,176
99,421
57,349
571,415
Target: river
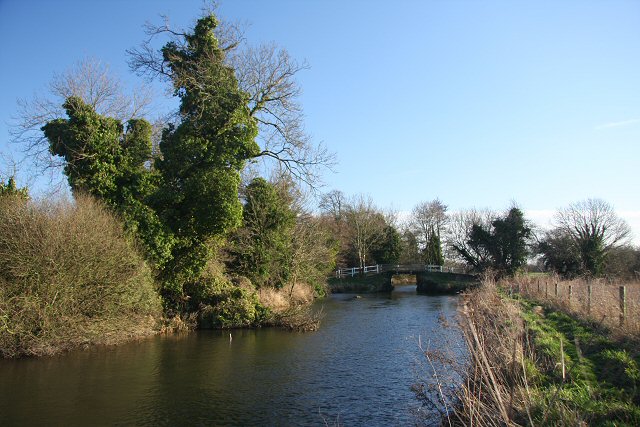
x,y
357,369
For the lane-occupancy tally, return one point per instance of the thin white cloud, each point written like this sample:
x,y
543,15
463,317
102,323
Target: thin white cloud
x,y
617,124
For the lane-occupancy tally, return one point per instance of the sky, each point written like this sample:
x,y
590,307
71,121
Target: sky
x,y
477,103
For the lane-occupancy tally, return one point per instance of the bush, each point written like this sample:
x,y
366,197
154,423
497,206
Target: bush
x,y
68,278
220,303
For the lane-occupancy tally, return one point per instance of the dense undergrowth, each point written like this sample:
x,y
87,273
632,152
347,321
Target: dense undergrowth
x,y
533,365
69,277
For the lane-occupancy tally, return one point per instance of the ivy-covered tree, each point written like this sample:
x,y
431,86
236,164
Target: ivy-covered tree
x,y
560,254
505,244
190,196
203,155
108,160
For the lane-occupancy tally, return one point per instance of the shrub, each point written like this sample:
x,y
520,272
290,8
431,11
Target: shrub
x,y
68,278
221,303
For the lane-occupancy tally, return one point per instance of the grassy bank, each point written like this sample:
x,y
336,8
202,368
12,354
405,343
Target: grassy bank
x,y
534,365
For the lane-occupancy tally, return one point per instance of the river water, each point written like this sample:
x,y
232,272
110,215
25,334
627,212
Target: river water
x,y
357,369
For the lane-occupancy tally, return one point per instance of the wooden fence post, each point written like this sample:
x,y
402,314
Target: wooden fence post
x,y
589,298
623,304
556,290
546,289
570,295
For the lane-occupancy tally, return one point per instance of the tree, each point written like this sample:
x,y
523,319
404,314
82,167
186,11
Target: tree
x,y
428,218
594,229
333,204
410,254
432,253
365,227
266,75
503,245
262,248
89,80
104,158
560,254
190,196
460,227
389,247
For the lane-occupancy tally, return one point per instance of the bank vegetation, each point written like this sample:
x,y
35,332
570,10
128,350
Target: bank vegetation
x,y
532,363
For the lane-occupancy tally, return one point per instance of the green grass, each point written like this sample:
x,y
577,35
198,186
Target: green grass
x,y
601,376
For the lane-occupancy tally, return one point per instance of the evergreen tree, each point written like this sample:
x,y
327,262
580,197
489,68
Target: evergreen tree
x,y
432,253
262,248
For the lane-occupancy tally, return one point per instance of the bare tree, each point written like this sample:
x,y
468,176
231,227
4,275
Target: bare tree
x,y
459,229
427,218
88,79
593,219
366,225
267,74
333,203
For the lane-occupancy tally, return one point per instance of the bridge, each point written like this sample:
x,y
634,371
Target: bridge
x,y
429,278
396,269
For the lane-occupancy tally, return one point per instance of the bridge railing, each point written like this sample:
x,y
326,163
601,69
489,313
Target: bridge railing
x,y
399,268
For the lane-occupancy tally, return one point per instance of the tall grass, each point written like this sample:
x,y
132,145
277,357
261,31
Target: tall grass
x,y
68,278
532,365
602,307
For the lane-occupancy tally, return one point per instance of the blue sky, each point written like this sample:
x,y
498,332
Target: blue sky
x,y
476,102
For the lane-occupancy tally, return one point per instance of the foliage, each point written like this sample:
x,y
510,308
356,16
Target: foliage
x,y
432,253
69,277
410,253
11,190
389,248
189,197
221,303
104,159
262,249
560,254
505,244
585,233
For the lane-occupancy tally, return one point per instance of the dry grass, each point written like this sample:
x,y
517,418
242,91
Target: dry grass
x,y
572,296
69,278
527,365
290,307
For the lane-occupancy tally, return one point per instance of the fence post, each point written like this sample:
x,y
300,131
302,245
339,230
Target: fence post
x,y
570,295
538,287
589,299
546,290
623,304
556,290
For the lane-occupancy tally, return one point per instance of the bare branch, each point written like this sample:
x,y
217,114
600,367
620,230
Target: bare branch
x,y
88,79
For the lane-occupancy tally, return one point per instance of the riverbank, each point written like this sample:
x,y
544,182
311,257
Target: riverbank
x,y
531,364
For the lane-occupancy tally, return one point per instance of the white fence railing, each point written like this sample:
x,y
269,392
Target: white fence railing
x,y
380,268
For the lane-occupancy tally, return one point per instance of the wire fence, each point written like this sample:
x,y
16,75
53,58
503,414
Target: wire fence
x,y
612,304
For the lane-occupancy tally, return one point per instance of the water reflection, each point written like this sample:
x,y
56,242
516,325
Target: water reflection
x,y
357,369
